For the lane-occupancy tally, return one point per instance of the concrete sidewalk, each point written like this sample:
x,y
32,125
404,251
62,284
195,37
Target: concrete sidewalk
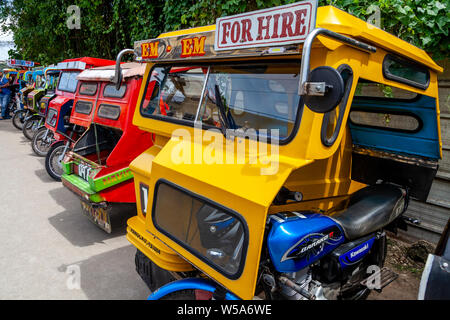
x,y
45,239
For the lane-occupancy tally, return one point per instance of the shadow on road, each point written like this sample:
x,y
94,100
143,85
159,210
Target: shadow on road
x,y
79,230
7,126
74,225
42,173
110,275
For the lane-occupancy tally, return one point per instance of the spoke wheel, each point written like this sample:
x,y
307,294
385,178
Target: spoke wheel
x,y
52,160
42,142
18,119
30,127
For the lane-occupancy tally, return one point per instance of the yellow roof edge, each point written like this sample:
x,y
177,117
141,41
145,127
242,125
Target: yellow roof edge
x,y
340,21
337,20
187,31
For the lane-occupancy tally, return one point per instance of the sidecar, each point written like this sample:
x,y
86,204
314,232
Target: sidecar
x,y
97,169
32,99
35,115
278,165
60,131
27,78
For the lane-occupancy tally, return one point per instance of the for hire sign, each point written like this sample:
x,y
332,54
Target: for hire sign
x,y
268,27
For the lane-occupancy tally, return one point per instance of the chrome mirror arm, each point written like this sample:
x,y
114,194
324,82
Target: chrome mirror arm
x,y
306,88
117,80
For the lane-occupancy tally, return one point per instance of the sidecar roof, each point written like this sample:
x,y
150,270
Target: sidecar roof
x,y
84,63
106,73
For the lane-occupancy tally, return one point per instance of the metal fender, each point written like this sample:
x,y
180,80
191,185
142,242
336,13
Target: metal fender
x,y
55,142
186,284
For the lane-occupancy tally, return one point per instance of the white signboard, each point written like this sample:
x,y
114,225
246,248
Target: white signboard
x,y
268,27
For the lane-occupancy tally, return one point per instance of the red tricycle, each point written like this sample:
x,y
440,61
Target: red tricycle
x,y
58,122
97,170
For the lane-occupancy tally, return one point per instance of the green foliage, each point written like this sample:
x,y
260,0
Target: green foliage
x,y
424,23
41,33
107,26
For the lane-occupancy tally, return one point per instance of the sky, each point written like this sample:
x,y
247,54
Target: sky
x,y
4,49
5,36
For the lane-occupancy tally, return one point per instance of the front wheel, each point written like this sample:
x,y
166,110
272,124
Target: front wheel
x,y
53,160
42,141
31,126
18,119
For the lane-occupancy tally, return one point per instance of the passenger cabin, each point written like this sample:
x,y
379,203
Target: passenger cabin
x,y
111,141
39,91
60,106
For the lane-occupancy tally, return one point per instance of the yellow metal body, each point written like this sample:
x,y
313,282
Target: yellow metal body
x,y
322,174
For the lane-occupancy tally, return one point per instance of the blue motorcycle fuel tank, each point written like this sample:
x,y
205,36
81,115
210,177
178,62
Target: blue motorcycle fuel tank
x,y
296,242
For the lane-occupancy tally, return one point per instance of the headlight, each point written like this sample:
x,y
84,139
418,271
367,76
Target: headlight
x,y
52,116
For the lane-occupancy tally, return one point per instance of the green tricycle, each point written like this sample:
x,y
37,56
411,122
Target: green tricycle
x,y
45,84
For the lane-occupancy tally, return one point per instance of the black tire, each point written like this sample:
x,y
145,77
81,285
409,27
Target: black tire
x,y
30,127
39,145
180,295
153,276
11,107
18,119
188,294
51,160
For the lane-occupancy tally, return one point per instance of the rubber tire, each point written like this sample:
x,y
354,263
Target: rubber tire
x,y
153,276
34,143
16,121
180,295
28,125
49,157
12,108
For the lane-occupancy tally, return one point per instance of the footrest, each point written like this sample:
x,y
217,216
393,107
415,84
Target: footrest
x,y
379,279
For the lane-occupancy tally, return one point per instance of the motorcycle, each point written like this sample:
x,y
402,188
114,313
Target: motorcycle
x,y
43,137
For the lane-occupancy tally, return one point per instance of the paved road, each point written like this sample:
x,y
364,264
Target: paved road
x,y
45,239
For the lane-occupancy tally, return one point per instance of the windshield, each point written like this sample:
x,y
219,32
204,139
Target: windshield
x,y
68,81
253,96
40,82
51,80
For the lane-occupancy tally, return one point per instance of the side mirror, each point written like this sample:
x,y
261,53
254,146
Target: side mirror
x,y
324,89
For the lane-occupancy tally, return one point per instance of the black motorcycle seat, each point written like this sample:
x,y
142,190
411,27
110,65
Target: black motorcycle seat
x,y
369,209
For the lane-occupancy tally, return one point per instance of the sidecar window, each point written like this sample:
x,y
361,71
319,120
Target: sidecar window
x,y
405,71
68,81
88,88
259,97
214,234
366,88
110,91
176,93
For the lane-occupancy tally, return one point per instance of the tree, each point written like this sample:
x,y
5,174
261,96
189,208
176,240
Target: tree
x,y
108,26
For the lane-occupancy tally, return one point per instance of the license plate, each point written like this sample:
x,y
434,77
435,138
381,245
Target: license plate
x,y
100,216
83,170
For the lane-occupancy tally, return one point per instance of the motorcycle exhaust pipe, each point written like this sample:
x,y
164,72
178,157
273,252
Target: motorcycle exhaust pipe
x,y
305,293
